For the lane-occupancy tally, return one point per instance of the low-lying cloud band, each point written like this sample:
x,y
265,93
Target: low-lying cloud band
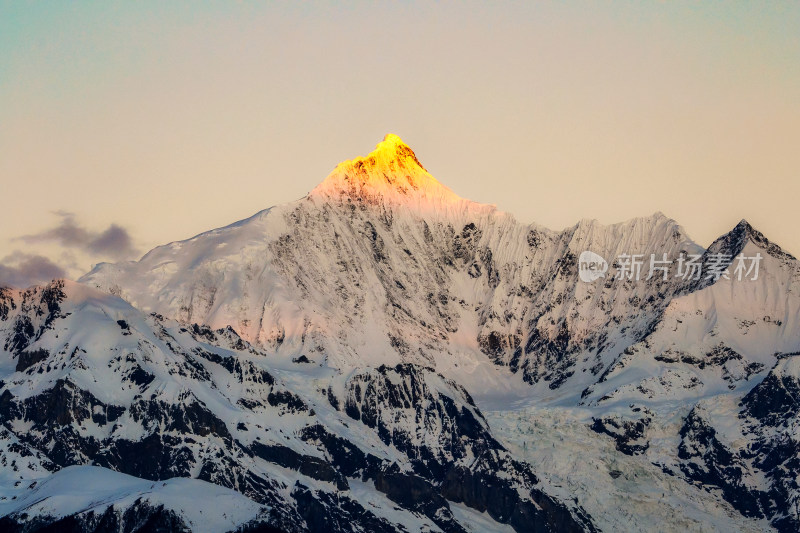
x,y
24,268
114,242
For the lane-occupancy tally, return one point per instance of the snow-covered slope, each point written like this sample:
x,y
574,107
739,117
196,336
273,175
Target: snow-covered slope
x,y
89,380
98,499
382,264
721,337
621,492
321,359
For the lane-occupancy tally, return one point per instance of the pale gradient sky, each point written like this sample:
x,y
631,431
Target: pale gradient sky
x,y
169,120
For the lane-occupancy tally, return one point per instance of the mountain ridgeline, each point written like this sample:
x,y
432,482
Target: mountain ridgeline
x,y
384,355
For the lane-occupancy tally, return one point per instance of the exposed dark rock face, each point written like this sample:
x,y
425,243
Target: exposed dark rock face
x,y
28,358
458,460
629,435
310,466
139,518
324,512
395,411
348,459
775,401
709,461
772,451
418,495
535,511
296,416
39,307
187,401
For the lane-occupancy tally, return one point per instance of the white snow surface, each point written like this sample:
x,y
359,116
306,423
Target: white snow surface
x,y
80,489
382,264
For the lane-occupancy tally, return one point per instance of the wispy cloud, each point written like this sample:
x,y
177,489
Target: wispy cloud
x,y
115,242
74,243
22,270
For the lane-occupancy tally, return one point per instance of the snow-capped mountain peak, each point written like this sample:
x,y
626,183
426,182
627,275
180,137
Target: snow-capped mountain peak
x,y
735,241
329,359
389,174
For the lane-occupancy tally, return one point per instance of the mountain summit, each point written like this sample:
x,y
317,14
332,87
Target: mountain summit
x,y
389,174
329,360
734,242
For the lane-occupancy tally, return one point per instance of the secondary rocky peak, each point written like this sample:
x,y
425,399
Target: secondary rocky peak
x,y
390,173
734,242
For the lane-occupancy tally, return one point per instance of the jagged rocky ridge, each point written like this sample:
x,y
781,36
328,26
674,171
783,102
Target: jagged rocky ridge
x,y
755,458
345,336
158,400
382,258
